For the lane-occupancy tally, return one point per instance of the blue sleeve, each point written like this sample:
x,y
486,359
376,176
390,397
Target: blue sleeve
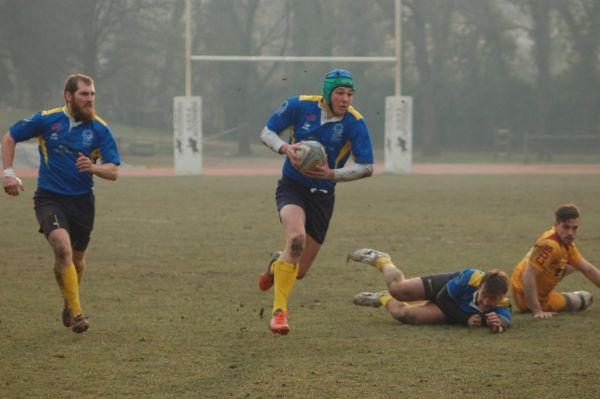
x,y
503,313
362,149
283,117
108,148
457,285
26,129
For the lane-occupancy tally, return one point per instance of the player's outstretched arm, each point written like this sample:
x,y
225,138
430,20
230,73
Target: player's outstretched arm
x,y
530,288
590,271
353,171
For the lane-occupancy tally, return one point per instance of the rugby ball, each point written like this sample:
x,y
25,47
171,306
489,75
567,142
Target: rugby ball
x,y
311,153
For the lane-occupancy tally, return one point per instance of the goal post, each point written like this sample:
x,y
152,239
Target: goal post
x,y
398,109
398,134
187,132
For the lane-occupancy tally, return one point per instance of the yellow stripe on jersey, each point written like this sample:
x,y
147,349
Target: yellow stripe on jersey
x,y
44,149
95,155
52,111
475,280
344,151
310,98
316,98
102,121
355,113
504,302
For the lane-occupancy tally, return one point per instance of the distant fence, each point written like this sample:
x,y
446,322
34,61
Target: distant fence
x,y
546,146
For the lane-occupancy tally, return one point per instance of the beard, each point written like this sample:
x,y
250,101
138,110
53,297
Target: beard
x,y
83,113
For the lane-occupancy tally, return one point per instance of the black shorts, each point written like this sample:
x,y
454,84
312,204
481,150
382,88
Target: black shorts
x,y
317,205
72,213
436,291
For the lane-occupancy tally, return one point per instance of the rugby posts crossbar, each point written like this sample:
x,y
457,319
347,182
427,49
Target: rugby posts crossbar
x,y
285,58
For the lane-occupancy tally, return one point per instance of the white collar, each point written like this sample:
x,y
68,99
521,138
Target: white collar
x,y
325,119
72,122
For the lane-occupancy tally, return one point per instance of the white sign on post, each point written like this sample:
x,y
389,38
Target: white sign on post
x,y
398,134
187,132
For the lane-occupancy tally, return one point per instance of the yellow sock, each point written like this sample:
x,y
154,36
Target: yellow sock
x,y
382,261
80,269
67,281
285,277
384,299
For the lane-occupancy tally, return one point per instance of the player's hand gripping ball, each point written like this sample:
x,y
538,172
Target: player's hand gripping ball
x,y
311,153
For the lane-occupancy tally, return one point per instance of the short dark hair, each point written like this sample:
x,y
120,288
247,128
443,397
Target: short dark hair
x,y
566,212
495,281
74,79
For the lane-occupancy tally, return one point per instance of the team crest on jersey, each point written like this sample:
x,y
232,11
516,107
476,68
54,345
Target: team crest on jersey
x,y
87,138
282,108
338,129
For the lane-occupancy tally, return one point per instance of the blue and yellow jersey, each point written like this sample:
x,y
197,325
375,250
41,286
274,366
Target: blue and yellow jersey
x,y
342,137
61,139
551,257
464,290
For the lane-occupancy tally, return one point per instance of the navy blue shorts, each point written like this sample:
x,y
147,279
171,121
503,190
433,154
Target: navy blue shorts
x,y
72,213
436,291
317,205
434,283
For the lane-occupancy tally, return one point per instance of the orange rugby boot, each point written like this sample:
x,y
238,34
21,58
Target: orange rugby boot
x,y
279,323
266,279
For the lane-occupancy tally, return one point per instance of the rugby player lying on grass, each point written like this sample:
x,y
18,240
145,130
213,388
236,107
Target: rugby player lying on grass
x,y
470,297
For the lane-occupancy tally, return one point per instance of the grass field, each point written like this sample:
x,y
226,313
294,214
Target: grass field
x,y
171,294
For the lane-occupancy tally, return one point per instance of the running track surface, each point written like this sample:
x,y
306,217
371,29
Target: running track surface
x,y
274,169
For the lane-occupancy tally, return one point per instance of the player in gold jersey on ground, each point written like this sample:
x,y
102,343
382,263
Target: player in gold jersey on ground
x,y
553,256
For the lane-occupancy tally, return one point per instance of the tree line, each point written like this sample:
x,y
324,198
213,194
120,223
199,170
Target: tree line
x,y
471,66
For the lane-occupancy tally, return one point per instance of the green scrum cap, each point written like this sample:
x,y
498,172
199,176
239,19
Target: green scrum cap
x,y
334,79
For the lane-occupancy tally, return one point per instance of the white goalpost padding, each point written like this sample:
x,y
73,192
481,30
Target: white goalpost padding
x,y
187,131
398,134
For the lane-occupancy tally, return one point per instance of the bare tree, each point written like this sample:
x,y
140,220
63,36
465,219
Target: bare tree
x,y
582,18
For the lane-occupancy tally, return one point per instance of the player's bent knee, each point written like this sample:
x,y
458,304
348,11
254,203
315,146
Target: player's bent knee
x,y
62,253
578,300
406,315
408,318
398,291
